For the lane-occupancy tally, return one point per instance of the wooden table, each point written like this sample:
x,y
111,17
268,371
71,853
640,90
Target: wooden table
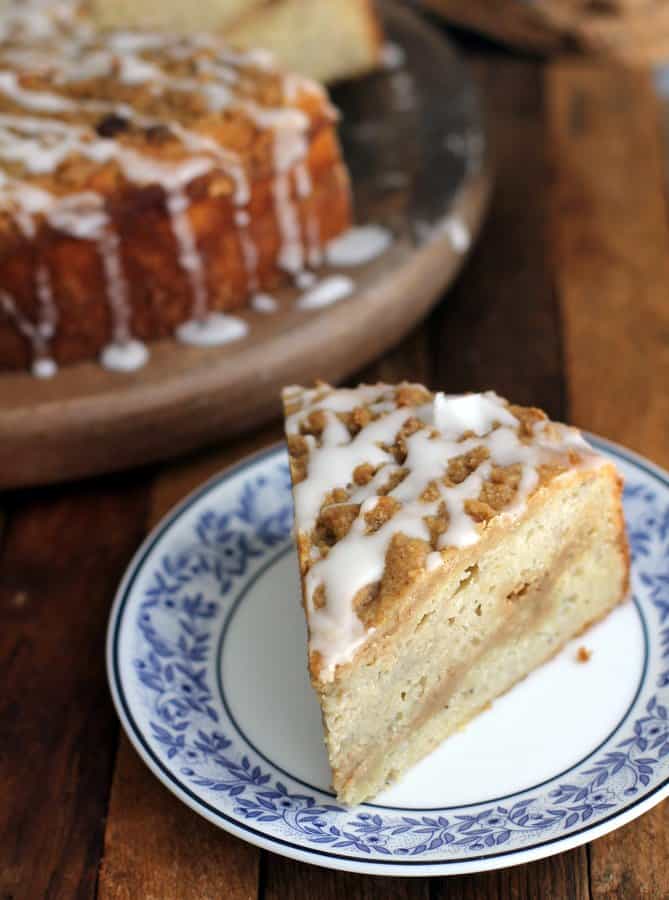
x,y
563,304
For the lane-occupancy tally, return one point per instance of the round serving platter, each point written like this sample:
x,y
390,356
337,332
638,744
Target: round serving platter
x,y
206,658
414,141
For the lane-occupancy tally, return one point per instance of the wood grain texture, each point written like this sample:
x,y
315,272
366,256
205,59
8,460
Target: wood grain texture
x,y
561,877
633,861
62,556
611,242
158,849
500,327
286,878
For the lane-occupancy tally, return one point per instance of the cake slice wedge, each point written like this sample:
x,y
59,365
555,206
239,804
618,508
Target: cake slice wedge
x,y
448,545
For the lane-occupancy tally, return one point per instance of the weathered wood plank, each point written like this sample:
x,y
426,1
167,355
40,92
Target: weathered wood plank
x,y
633,861
158,849
556,878
286,878
499,327
63,553
611,240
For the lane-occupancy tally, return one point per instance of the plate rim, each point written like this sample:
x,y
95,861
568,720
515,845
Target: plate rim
x,y
328,859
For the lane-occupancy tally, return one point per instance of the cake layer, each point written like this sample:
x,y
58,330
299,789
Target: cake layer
x,y
511,605
148,179
448,545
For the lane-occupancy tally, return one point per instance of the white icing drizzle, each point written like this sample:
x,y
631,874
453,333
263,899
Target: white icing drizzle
x,y
109,247
189,256
290,147
248,248
458,234
291,251
326,292
358,245
358,559
124,356
264,303
84,216
44,367
305,279
38,100
304,187
35,333
214,330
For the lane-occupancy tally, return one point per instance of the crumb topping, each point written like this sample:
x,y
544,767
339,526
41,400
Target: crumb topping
x,y
388,480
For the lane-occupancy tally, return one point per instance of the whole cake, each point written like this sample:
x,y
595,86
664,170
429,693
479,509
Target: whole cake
x,y
150,184
448,545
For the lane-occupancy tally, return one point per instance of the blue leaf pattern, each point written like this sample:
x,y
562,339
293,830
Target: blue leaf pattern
x,y
179,617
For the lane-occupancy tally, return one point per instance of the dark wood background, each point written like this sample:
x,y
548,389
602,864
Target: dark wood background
x,y
562,304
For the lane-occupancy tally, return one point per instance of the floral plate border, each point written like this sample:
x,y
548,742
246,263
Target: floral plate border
x,y
163,655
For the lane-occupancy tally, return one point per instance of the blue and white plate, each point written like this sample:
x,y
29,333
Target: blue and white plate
x,y
207,665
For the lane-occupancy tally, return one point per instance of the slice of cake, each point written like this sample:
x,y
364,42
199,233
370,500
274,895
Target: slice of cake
x,y
150,183
448,545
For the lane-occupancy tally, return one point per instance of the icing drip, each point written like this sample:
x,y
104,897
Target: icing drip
x,y
291,251
36,334
214,330
249,249
313,235
290,148
326,292
44,367
305,279
264,303
117,290
358,246
84,216
124,356
188,254
357,559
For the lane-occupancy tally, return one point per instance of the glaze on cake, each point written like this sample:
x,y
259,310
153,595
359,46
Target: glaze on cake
x,y
150,184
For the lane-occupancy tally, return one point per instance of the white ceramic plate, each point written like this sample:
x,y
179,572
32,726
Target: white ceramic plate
x,y
206,657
